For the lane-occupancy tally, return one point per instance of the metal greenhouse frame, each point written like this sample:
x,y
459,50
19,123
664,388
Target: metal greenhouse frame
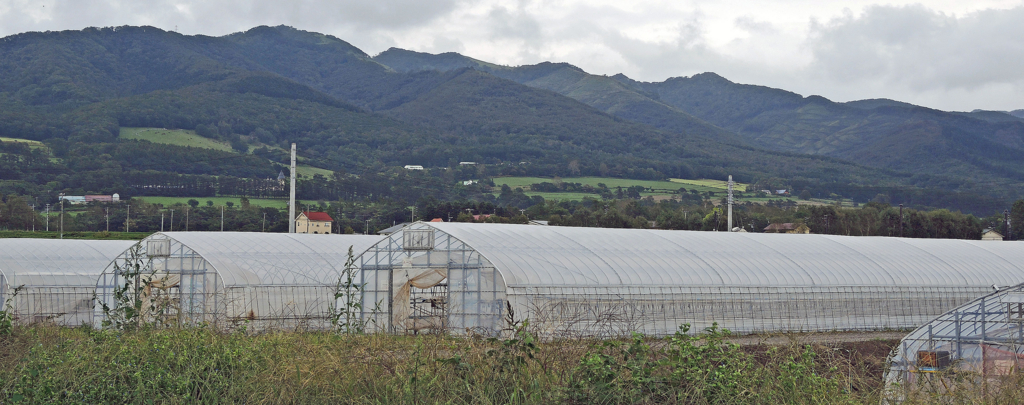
x,y
57,277
603,282
978,344
264,280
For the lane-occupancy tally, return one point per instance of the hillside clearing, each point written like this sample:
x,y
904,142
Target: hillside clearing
x,y
177,137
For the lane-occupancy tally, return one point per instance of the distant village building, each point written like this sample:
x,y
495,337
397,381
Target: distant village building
x,y
313,222
413,167
437,220
469,182
467,163
85,199
787,227
991,234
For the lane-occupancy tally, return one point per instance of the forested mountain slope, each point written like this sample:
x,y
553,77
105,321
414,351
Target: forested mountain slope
x,y
271,86
878,133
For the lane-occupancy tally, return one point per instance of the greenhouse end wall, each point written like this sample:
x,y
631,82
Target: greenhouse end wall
x,y
611,282
426,280
262,281
55,279
973,351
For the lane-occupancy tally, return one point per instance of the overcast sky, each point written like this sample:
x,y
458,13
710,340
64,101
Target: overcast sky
x,y
952,55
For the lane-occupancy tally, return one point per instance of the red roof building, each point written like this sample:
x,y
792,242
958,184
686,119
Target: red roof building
x,y
313,222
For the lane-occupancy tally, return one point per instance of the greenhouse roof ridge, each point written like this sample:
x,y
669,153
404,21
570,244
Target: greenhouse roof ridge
x,y
257,258
573,256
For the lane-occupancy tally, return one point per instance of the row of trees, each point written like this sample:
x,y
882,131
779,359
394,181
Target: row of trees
x,y
365,214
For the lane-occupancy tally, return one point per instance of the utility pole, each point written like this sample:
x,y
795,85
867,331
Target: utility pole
x,y
901,220
172,220
264,222
127,217
161,221
291,196
33,217
186,219
62,218
222,218
730,203
47,217
107,215
1006,218
412,218
366,229
826,224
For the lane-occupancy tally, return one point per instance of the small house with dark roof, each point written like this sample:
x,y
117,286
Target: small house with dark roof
x,y
787,228
313,222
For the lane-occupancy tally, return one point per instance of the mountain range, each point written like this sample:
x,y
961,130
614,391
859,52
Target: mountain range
x,y
359,113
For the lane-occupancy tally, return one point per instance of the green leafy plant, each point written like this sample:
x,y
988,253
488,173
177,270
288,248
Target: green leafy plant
x,y
7,314
127,311
345,310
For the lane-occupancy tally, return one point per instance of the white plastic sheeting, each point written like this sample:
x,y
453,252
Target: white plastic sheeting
x,y
597,281
226,278
569,256
979,344
57,276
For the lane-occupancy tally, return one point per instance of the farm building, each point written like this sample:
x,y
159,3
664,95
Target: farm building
x,y
57,277
600,282
267,280
977,345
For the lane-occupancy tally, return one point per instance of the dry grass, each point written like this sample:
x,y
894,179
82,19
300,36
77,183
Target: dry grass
x,y
61,365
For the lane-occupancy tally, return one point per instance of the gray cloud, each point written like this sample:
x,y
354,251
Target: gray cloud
x,y
921,49
221,17
911,53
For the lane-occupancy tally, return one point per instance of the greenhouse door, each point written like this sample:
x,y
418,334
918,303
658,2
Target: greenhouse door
x,y
419,298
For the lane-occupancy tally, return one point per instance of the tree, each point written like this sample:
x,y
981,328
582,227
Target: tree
x,y
1017,220
805,195
193,203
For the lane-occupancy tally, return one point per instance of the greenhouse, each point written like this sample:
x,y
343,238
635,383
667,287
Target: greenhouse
x,y
977,346
226,279
54,278
479,278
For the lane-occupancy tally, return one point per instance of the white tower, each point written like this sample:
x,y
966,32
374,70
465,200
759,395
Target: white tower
x,y
730,203
291,197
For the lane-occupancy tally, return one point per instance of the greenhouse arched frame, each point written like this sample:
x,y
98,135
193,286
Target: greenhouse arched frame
x,y
465,278
226,279
979,344
55,278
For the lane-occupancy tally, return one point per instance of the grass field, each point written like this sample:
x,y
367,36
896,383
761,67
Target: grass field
x,y
218,201
19,140
48,364
183,137
674,184
712,184
178,137
660,186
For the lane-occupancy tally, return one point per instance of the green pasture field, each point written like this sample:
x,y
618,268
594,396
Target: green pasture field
x,y
183,137
309,171
611,182
31,143
711,184
562,196
218,201
178,137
